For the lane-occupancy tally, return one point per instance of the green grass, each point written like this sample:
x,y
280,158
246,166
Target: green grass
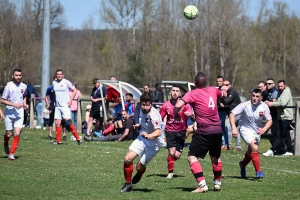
x,y
95,171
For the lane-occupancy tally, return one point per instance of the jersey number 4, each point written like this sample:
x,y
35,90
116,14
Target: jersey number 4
x,y
211,103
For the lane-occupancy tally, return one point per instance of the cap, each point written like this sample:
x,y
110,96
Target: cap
x,y
88,107
95,79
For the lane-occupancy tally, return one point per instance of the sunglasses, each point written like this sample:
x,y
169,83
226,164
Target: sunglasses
x,y
269,83
226,84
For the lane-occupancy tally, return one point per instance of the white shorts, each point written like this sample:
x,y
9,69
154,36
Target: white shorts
x,y
146,152
62,112
11,123
248,135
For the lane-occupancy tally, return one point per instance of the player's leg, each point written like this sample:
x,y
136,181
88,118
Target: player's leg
x,y
50,124
171,145
255,156
66,114
198,148
8,134
214,142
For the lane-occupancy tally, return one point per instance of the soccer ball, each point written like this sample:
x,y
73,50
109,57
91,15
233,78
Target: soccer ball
x,y
190,12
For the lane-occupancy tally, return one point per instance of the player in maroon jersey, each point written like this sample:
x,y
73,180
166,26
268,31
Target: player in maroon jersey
x,y
208,136
175,130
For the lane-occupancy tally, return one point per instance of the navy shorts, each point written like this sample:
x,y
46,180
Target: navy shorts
x,y
176,139
96,112
201,144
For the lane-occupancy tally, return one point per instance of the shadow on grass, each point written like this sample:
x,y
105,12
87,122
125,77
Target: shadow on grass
x,y
6,157
142,190
247,178
165,175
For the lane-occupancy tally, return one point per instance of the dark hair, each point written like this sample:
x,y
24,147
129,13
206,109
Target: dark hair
x,y
200,79
175,86
145,97
228,81
282,81
157,84
220,77
59,70
147,85
263,82
256,90
17,70
270,79
129,94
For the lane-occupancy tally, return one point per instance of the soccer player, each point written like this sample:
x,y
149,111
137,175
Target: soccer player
x,y
175,130
14,97
251,128
208,136
63,100
146,145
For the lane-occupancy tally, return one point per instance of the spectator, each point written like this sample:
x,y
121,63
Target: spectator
x,y
112,95
85,122
129,105
148,91
262,85
74,105
285,118
46,116
232,100
158,95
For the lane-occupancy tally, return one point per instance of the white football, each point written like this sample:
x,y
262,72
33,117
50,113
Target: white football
x,y
190,12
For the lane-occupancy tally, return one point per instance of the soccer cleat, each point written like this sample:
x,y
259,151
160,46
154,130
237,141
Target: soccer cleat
x,y
288,154
269,153
136,178
170,175
127,187
217,185
243,170
200,189
259,174
6,149
64,137
11,157
49,137
57,142
79,142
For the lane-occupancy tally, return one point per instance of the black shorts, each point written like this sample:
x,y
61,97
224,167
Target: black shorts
x,y
96,112
176,139
201,144
51,117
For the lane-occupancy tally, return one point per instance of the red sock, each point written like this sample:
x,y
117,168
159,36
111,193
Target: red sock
x,y
6,139
74,132
128,169
197,171
256,161
217,169
246,160
109,130
14,144
171,163
58,133
141,172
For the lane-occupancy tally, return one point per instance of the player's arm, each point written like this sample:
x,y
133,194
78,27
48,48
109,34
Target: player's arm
x,y
266,127
152,136
1,114
233,126
177,108
8,103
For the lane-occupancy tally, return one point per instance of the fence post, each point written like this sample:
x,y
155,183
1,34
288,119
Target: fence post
x,y
31,111
79,120
297,131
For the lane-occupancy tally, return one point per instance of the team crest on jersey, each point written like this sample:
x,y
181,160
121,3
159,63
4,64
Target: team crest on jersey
x,y
146,119
62,85
156,123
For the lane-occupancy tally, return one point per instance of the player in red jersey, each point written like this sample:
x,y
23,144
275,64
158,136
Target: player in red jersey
x,y
208,136
175,130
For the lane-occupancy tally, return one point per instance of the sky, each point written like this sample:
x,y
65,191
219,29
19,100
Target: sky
x,y
78,11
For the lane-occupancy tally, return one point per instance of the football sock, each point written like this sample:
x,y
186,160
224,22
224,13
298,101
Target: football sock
x,y
74,132
128,169
196,169
217,169
246,160
256,161
6,139
141,172
109,130
14,144
171,163
58,133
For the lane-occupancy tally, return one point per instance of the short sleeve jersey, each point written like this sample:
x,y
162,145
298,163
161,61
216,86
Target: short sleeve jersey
x,y
96,93
61,89
150,122
14,93
252,115
204,103
173,125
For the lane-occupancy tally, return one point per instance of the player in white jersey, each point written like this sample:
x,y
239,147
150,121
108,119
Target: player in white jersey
x,y
146,145
63,100
14,97
251,128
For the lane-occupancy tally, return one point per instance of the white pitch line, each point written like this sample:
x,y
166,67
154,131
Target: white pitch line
x,y
228,163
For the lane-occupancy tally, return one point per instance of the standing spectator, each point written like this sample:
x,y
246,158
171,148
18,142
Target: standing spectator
x,y
272,96
175,130
208,136
147,144
14,97
285,118
50,105
129,105
251,128
97,109
222,115
232,100
158,95
262,85
46,116
148,91
112,96
74,105
61,87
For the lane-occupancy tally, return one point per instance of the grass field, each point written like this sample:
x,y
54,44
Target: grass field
x,y
95,171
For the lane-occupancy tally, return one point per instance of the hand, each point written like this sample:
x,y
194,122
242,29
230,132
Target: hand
x,y
234,132
137,126
18,105
260,131
221,104
269,103
1,116
144,135
69,103
25,106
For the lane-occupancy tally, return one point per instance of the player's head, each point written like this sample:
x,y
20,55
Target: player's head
x,y
59,74
17,75
256,96
175,92
200,80
146,102
220,80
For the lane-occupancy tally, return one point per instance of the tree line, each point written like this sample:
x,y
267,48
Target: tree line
x,y
149,41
